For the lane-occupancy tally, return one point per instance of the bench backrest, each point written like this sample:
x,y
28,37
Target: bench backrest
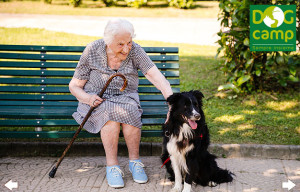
x,y
37,77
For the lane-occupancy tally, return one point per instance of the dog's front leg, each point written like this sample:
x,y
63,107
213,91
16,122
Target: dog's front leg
x,y
187,183
178,176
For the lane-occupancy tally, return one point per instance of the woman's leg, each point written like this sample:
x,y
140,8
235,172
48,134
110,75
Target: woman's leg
x,y
110,138
132,137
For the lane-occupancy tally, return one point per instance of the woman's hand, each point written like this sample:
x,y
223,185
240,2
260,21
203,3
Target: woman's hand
x,y
76,88
95,100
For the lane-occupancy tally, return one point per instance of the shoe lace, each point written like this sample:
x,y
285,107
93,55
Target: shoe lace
x,y
138,166
116,172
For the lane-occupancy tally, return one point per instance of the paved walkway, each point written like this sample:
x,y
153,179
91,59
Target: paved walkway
x,y
177,30
87,174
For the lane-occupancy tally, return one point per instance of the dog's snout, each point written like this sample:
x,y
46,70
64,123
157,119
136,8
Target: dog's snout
x,y
197,116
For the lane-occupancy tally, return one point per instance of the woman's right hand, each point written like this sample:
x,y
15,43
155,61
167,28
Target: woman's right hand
x,y
95,100
76,88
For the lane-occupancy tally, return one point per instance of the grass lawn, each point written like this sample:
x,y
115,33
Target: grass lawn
x,y
203,9
266,118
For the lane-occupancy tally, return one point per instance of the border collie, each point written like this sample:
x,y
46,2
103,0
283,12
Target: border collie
x,y
186,139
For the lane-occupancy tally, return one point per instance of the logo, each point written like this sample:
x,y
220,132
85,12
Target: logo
x,y
274,17
272,27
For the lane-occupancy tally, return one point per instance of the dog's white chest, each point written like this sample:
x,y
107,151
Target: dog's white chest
x,y
179,154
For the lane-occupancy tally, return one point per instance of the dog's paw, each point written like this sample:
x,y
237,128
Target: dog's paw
x,y
212,184
175,189
171,178
187,187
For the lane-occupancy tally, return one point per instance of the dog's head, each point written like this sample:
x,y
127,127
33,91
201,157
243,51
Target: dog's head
x,y
186,106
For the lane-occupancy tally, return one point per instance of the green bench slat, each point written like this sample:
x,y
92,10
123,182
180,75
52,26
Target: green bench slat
x,y
37,73
155,90
39,97
38,103
34,89
39,56
40,48
44,134
68,103
65,134
164,57
37,122
65,81
53,73
63,112
167,65
25,97
42,81
76,48
36,111
71,65
161,49
26,64
64,122
66,89
52,57
152,133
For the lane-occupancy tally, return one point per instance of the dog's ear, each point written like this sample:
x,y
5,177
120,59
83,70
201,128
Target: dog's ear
x,y
198,96
173,98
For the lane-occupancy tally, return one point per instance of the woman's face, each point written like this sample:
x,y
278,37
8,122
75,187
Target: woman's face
x,y
121,45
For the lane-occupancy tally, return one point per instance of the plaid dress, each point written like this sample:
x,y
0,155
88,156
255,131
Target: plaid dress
x,y
123,107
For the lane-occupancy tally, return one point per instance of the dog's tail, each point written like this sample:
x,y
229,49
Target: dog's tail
x,y
210,174
222,176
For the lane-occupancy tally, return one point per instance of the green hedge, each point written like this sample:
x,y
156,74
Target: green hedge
x,y
182,4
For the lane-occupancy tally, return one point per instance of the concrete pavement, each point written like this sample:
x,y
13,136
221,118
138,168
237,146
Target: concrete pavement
x,y
87,174
84,170
177,30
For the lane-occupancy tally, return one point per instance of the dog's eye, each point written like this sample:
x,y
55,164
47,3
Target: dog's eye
x,y
187,105
196,104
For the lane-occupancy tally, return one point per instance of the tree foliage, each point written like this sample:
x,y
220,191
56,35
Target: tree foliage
x,y
75,3
109,3
48,1
136,3
252,71
182,4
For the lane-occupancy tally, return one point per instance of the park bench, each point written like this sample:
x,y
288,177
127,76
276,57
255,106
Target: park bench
x,y
35,101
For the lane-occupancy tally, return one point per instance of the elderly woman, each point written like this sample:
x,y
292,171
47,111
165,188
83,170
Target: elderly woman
x,y
116,52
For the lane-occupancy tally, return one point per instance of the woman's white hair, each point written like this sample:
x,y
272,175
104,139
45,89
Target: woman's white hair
x,y
116,26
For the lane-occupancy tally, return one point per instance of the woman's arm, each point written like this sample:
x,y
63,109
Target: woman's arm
x,y
76,88
159,81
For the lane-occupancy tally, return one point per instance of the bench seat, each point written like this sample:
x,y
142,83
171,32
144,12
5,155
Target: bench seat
x,y
64,112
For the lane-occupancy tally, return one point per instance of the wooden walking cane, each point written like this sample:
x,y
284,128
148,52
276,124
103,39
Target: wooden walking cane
x,y
54,169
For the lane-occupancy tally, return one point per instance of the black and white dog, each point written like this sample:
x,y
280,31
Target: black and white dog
x,y
186,139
